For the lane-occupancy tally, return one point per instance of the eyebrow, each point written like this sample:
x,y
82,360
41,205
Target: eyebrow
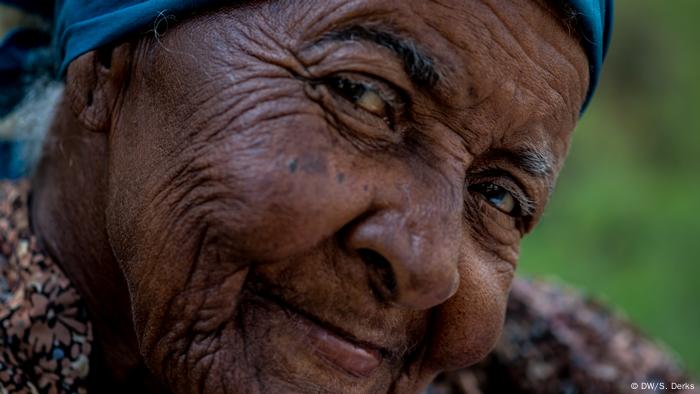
x,y
418,65
534,162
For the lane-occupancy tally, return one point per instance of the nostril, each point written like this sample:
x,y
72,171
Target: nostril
x,y
381,277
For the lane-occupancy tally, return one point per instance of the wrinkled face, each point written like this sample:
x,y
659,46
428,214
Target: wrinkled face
x,y
328,196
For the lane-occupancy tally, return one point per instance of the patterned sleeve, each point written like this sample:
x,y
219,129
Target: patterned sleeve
x,y
45,334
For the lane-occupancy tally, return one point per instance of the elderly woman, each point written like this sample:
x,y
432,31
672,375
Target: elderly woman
x,y
277,196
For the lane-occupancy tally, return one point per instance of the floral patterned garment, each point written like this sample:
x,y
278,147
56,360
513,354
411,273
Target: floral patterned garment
x,y
45,335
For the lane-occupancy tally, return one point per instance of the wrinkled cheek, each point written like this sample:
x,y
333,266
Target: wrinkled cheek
x,y
183,298
215,363
191,346
283,204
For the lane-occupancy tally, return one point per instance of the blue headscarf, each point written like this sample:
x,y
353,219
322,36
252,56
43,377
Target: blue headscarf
x,y
83,25
80,26
595,18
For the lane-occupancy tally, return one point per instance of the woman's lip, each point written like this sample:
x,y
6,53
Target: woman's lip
x,y
329,344
353,359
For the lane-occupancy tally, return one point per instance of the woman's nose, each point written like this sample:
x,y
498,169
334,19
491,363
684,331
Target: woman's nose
x,y
411,253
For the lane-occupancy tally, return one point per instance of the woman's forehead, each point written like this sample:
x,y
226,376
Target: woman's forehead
x,y
83,25
490,64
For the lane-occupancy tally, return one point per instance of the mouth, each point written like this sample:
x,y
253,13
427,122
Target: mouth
x,y
332,344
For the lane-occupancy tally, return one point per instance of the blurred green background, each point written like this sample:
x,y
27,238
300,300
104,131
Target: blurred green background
x,y
624,222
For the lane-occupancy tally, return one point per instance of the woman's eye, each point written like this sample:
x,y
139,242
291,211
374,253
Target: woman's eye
x,y
362,95
499,197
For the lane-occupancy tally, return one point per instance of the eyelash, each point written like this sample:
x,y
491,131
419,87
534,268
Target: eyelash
x,y
347,87
525,207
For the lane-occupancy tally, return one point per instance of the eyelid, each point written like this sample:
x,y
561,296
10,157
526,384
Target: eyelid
x,y
364,128
329,57
525,204
507,181
390,93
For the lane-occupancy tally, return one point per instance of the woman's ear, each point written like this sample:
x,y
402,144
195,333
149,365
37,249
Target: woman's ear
x,y
95,82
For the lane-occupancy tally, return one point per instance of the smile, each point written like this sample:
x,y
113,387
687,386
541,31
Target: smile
x,y
332,344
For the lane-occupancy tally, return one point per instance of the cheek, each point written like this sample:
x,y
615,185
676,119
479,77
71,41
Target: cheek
x,y
187,233
468,325
287,194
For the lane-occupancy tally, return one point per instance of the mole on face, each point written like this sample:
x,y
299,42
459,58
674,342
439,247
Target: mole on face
x,y
332,204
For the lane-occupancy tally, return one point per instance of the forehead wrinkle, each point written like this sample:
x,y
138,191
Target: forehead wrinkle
x,y
522,54
484,13
552,107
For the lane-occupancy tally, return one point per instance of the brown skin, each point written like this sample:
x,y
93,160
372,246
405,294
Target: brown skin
x,y
217,189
